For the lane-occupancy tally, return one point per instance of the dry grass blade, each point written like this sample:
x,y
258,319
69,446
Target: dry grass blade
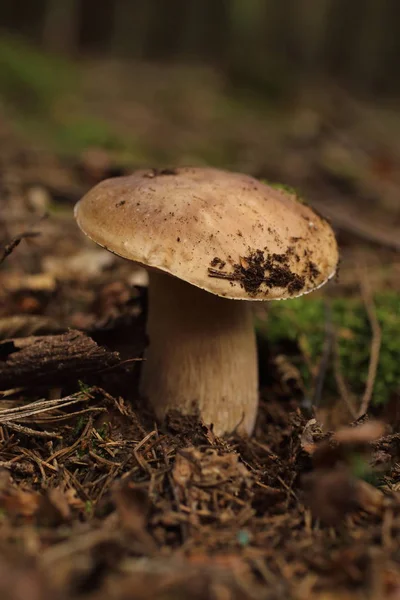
x,y
56,418
40,412
375,341
20,413
345,394
327,350
31,432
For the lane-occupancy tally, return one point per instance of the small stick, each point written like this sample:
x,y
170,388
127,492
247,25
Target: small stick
x,y
31,432
12,465
223,275
10,247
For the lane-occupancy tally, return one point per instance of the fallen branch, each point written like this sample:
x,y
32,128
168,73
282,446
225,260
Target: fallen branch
x,y
39,360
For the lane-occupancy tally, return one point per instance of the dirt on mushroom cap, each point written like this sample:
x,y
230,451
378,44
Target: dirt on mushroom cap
x,y
224,232
273,270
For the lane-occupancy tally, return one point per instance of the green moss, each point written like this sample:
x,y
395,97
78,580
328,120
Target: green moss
x,y
83,387
285,188
31,81
42,93
83,131
362,469
72,135
103,431
303,321
80,425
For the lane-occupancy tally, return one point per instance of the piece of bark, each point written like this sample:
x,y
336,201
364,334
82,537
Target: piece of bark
x,y
39,360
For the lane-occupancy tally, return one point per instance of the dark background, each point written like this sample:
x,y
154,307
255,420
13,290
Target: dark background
x,y
356,42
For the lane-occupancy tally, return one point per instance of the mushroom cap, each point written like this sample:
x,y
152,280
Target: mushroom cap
x,y
226,233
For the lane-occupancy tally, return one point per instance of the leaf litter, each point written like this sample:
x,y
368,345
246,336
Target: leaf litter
x,y
98,501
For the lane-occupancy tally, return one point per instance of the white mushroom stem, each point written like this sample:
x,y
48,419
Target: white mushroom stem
x,y
202,356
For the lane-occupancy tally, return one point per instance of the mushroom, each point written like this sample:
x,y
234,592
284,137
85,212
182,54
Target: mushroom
x,y
212,241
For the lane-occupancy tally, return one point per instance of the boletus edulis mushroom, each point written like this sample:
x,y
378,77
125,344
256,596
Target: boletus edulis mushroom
x,y
213,242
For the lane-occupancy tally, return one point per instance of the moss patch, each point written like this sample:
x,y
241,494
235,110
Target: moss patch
x,y
43,95
31,81
303,322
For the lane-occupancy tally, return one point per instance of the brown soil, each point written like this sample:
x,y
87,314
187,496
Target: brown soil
x,y
257,268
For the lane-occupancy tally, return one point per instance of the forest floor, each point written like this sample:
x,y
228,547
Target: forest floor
x,y
97,501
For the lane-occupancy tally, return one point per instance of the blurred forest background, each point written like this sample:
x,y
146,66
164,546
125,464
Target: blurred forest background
x,y
260,41
299,91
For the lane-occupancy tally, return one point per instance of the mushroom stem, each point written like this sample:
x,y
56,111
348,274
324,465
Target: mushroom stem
x,y
202,356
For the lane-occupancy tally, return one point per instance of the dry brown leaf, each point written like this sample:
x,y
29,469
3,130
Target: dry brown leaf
x,y
183,470
15,501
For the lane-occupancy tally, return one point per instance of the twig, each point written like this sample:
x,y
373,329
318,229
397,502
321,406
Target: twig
x,y
69,416
31,432
64,452
139,458
376,340
13,465
10,247
103,461
223,275
39,461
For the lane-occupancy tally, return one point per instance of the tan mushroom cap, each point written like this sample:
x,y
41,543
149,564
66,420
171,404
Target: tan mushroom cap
x,y
226,233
